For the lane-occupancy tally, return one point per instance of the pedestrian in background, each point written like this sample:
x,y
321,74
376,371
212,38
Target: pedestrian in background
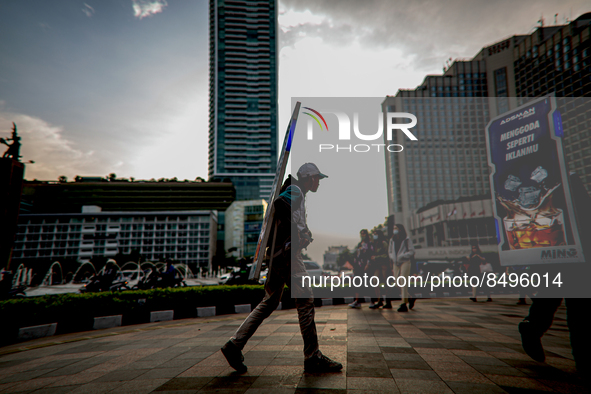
x,y
475,260
360,260
401,252
379,266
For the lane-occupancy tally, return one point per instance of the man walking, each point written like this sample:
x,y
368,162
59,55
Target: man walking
x,y
291,235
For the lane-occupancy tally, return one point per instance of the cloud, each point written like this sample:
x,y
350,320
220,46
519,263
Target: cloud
x,y
45,145
431,31
143,8
88,10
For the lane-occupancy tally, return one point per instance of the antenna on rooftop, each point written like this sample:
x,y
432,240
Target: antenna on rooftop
x,y
541,20
555,19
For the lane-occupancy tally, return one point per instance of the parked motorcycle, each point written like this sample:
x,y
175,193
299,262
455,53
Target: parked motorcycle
x,y
100,283
156,280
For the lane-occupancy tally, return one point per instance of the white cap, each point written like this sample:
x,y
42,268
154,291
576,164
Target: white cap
x,y
310,169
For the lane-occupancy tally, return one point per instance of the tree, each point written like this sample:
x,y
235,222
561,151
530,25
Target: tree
x,y
63,179
112,176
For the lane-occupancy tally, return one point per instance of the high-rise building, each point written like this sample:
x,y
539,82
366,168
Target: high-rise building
x,y
448,164
243,95
557,60
449,158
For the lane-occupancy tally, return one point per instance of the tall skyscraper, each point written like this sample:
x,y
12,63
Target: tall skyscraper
x,y
243,95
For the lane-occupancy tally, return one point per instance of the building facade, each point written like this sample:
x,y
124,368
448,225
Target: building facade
x,y
189,237
557,60
446,230
123,195
243,223
448,161
243,95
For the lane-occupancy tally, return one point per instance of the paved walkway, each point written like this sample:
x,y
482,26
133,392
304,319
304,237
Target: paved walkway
x,y
442,346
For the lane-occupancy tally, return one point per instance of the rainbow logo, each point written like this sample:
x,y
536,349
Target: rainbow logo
x,y
316,119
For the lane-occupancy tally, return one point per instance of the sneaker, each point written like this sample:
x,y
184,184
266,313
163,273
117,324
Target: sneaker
x,y
355,304
473,299
388,305
376,305
234,356
321,363
532,343
521,302
489,299
403,308
411,303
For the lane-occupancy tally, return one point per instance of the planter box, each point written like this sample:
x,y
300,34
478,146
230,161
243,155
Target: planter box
x,y
107,322
206,311
33,332
161,316
244,308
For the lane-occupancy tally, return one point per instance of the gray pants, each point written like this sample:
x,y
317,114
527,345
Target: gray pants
x,y
276,280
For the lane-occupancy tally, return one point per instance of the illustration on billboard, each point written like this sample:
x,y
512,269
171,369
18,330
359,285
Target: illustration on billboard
x,y
529,185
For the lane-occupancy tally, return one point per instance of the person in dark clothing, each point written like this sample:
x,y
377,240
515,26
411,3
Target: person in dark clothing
x,y
291,234
542,309
362,256
474,269
379,266
401,252
168,274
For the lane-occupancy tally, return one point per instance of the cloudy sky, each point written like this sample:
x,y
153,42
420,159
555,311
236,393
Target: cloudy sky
x,y
102,86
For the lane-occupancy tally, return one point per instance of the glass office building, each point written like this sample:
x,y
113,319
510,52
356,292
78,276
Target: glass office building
x,y
243,95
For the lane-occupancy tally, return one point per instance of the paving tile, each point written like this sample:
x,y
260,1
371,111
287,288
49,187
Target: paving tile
x,y
140,386
372,384
474,388
368,371
56,390
498,370
77,379
179,384
413,386
465,376
320,391
121,375
270,390
323,381
396,364
24,376
32,384
402,357
232,383
419,374
96,388
285,381
517,382
161,373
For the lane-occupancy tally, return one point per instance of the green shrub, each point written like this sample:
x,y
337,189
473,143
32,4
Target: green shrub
x,y
76,312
